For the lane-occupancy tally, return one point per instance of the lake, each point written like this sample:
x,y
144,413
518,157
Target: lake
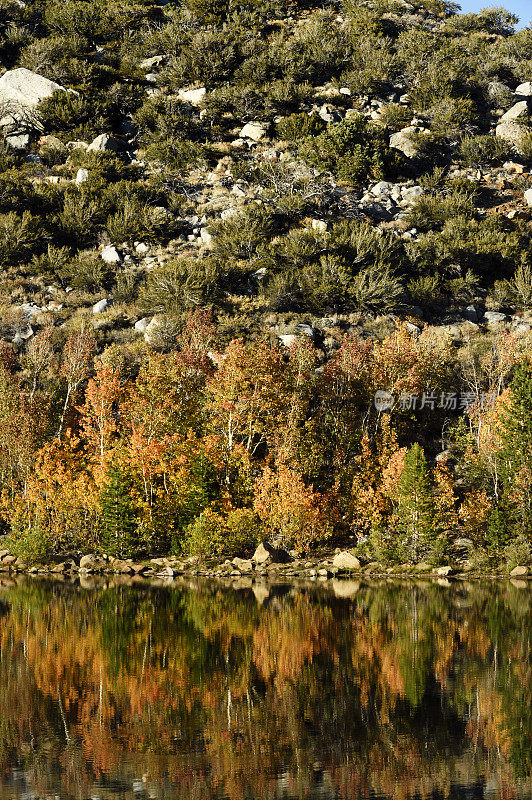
x,y
201,691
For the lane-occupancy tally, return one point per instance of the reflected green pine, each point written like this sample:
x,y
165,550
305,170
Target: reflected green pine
x,y
202,691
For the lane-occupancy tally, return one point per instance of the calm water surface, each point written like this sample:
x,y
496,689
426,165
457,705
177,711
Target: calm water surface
x,y
203,692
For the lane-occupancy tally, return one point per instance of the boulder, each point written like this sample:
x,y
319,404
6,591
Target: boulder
x,y
150,63
243,564
494,318
103,142
266,553
528,197
141,325
405,142
192,96
18,141
93,563
443,572
471,314
346,560
511,132
254,130
82,175
520,111
26,88
519,572
410,193
206,238
288,339
100,306
319,225
524,89
110,255
152,330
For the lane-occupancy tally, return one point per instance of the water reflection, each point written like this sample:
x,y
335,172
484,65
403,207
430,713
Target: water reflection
x,y
203,692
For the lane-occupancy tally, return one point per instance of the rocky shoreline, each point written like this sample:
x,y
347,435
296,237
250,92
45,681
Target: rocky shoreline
x,y
267,565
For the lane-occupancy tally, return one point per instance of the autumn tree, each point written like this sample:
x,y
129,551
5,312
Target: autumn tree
x,y
76,359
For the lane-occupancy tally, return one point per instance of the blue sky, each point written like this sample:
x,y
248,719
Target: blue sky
x,y
523,8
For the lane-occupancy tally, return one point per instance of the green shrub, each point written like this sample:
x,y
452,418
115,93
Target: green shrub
x,y
19,235
395,116
428,213
354,150
425,290
477,151
236,533
240,236
297,126
177,155
180,284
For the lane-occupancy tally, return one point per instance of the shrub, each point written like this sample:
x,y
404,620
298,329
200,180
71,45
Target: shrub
x,y
180,284
428,213
18,236
377,288
395,116
297,126
176,155
476,151
354,150
240,236
521,286
216,534
425,290
64,111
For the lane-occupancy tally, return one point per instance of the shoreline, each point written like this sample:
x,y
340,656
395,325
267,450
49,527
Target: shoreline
x,y
275,566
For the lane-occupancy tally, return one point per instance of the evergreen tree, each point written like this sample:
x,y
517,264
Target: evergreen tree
x,y
416,512
515,432
118,522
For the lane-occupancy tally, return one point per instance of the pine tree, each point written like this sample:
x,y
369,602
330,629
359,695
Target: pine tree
x,y
118,522
416,512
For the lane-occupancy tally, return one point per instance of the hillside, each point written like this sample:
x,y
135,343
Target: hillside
x,y
325,202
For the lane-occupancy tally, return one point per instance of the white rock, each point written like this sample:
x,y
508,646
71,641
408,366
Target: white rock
x,y
154,61
528,197
141,325
511,132
192,96
82,175
383,187
151,330
494,318
319,225
110,255
524,89
103,142
345,90
519,111
100,306
346,560
18,141
141,248
403,141
206,237
30,311
409,193
253,130
228,213
26,87
288,339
